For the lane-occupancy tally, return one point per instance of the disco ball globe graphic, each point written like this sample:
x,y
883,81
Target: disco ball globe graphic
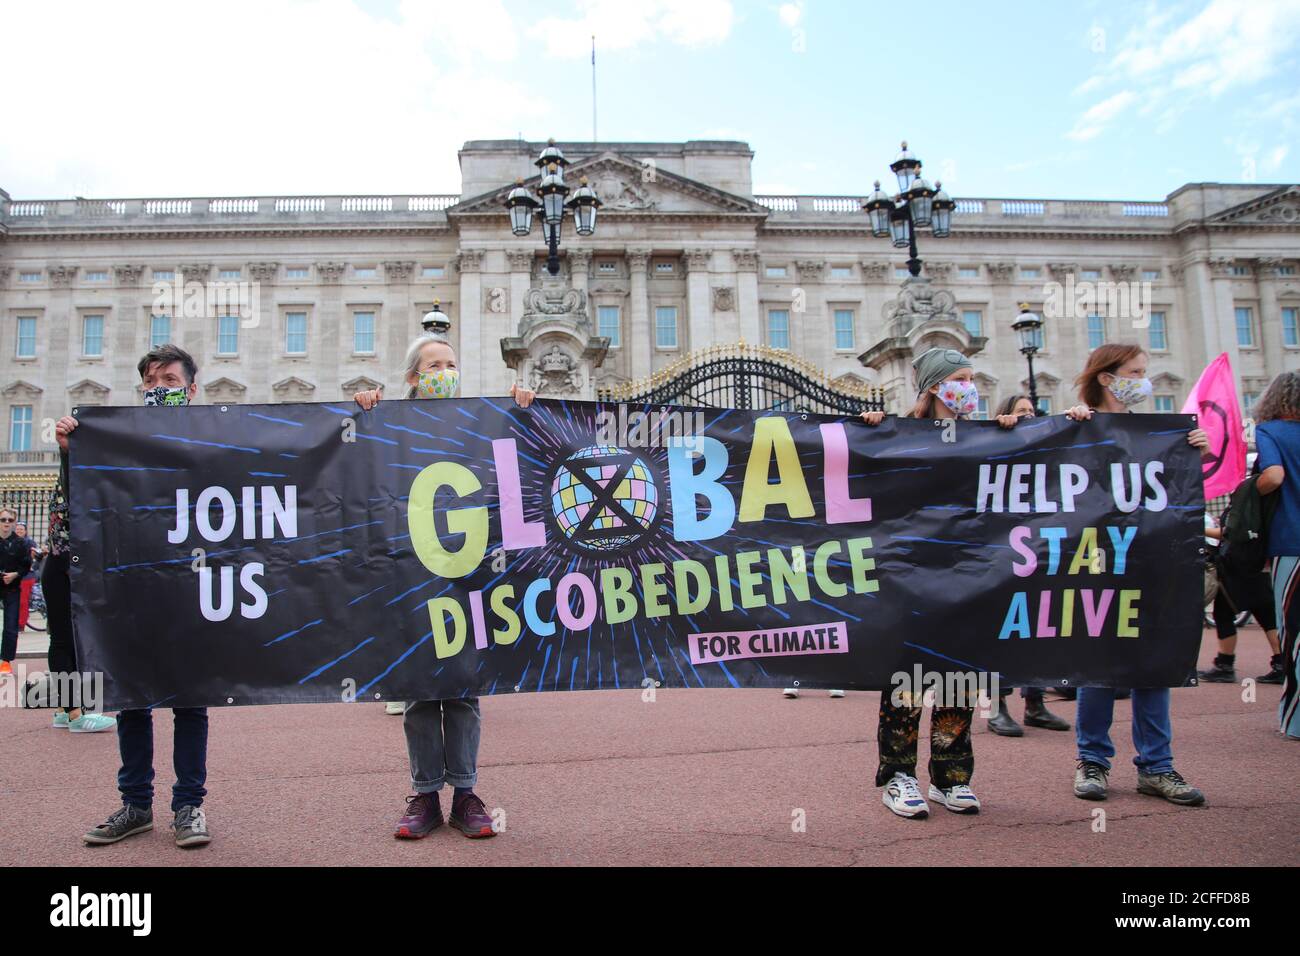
x,y
604,498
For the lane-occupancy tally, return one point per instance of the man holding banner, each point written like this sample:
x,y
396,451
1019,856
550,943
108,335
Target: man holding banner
x,y
167,380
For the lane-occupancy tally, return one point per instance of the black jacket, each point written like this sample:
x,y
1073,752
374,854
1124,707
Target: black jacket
x,y
15,555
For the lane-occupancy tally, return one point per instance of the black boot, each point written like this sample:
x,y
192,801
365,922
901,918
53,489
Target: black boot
x,y
1003,724
1037,715
1223,671
1276,674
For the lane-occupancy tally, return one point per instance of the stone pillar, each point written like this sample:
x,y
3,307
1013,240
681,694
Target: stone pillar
x,y
699,310
640,333
750,323
264,349
809,332
328,331
1213,282
1270,317
579,269
61,339
521,270
397,314
468,263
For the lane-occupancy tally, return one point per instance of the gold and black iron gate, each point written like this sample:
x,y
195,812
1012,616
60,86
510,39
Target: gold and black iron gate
x,y
751,377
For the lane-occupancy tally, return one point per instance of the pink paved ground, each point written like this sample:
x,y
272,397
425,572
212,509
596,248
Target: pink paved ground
x,y
697,777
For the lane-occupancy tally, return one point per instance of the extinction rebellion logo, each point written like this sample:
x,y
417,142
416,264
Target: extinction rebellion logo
x,y
605,500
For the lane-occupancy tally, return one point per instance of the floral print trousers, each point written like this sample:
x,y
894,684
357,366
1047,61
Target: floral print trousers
x,y
952,759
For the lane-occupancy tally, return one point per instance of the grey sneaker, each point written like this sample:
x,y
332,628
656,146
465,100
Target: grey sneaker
x,y
191,827
126,821
1090,780
1171,786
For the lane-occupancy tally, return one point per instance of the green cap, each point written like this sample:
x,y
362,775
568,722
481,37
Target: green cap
x,y
936,365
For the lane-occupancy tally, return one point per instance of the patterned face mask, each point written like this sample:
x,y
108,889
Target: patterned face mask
x,y
961,397
1131,391
438,383
163,396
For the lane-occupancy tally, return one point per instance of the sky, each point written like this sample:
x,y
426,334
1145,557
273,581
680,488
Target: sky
x,y
1079,100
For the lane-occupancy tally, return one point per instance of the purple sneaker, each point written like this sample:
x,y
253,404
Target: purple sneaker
x,y
470,817
423,816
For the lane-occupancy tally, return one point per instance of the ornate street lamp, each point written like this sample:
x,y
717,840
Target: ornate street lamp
x,y
550,199
435,320
918,205
1030,329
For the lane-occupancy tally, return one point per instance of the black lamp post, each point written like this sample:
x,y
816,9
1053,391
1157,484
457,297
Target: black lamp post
x,y
1030,329
550,199
916,206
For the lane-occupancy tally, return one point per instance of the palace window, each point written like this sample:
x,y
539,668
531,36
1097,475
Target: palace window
x,y
27,337
778,328
841,272
1029,272
433,272
774,272
968,272
1290,331
164,275
1096,331
1164,403
1245,327
296,272
295,333
1150,275
1091,275
608,324
20,428
844,338
227,335
230,273
363,333
1159,334
97,276
973,320
92,335
29,277
666,327
160,330
364,272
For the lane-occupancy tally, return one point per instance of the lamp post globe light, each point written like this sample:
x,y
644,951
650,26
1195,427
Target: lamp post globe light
x,y
550,199
435,320
917,205
1029,327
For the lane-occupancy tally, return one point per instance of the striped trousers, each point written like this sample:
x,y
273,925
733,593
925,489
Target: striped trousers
x,y
1285,572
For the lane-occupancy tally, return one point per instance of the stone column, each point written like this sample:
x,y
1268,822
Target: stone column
x,y
699,309
520,262
1213,282
264,350
811,340
468,263
579,269
61,339
397,314
640,332
751,325
1270,317
329,330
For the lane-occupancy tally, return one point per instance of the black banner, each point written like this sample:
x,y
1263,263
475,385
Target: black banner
x,y
250,554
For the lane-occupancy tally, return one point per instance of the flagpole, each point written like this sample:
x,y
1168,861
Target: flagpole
x,y
593,87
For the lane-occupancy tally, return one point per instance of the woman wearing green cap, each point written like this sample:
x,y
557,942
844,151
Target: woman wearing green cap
x,y
944,389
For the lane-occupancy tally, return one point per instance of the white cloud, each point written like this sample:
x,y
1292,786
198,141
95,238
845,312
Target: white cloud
x,y
791,13
270,97
1095,118
626,24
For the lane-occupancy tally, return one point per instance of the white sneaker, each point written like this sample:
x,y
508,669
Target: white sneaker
x,y
958,799
791,692
395,707
836,694
903,796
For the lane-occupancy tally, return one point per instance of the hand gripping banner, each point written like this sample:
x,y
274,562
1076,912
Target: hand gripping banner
x,y
256,554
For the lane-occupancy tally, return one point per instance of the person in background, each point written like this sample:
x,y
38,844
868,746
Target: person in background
x,y
1237,593
944,390
1036,712
167,382
1277,437
29,579
1114,381
56,585
15,562
442,736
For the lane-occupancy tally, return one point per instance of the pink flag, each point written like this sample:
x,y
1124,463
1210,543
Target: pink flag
x,y
1214,400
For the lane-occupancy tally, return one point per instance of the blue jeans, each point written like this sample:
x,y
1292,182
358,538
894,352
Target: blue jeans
x,y
442,743
1152,732
12,598
189,757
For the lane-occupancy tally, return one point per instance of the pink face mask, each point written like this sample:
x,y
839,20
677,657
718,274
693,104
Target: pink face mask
x,y
961,397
